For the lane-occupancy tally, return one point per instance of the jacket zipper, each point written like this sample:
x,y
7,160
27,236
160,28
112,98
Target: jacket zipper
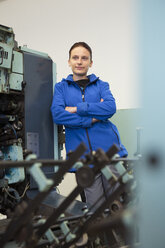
x,y
89,142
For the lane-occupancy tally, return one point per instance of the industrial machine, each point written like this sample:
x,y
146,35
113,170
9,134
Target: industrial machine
x,y
31,168
26,88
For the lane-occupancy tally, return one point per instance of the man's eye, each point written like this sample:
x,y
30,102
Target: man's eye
x,y
85,58
75,57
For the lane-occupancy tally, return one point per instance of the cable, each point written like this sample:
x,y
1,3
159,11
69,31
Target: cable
x,y
58,191
19,197
15,133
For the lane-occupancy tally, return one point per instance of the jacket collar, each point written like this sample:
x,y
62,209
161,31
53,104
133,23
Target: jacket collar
x,y
92,78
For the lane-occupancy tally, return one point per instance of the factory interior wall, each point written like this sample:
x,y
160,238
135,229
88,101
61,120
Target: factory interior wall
x,y
108,26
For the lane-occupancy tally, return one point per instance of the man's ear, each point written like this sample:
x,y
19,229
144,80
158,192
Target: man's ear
x,y
91,63
69,62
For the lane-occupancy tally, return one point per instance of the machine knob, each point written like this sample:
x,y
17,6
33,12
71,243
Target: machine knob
x,y
85,176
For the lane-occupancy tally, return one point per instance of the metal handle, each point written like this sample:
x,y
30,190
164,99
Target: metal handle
x,y
1,53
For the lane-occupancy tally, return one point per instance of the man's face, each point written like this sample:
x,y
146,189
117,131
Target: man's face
x,y
80,61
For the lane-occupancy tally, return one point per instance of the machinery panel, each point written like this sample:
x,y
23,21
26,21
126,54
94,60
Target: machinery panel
x,y
38,97
17,64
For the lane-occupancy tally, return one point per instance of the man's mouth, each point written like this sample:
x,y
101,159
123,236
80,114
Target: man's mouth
x,y
79,68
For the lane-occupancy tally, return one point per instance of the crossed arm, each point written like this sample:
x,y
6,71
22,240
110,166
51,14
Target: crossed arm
x,y
74,110
85,113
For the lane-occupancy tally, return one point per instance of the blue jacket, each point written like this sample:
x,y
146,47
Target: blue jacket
x,y
78,126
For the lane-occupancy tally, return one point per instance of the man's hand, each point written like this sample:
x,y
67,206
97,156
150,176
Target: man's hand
x,y
94,120
71,109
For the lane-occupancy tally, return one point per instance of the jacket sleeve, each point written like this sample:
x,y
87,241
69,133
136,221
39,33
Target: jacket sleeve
x,y
63,117
99,110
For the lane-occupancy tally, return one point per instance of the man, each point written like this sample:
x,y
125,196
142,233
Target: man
x,y
84,104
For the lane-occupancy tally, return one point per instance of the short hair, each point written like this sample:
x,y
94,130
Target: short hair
x,y
81,44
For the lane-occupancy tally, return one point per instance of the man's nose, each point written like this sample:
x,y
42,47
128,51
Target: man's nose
x,y
79,61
